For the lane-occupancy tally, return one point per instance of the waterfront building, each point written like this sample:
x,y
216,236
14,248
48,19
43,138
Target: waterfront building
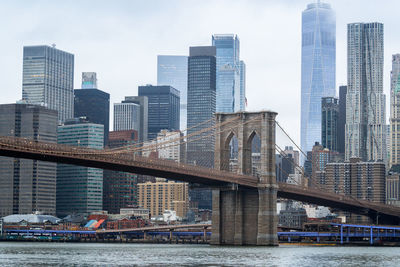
x,y
228,72
201,109
318,68
395,111
292,218
126,117
329,123
164,195
48,79
164,108
79,189
143,102
358,179
172,70
92,103
393,188
365,105
27,186
341,124
120,188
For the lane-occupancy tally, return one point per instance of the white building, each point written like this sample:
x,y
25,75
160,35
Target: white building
x,y
126,117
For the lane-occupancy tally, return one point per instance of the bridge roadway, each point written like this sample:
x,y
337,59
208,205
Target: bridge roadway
x,y
106,159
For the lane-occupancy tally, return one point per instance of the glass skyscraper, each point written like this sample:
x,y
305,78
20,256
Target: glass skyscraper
x,y
329,123
92,103
164,111
48,79
318,68
365,101
79,189
243,101
201,108
172,70
228,72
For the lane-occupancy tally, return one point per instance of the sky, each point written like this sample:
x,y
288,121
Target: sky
x,y
120,40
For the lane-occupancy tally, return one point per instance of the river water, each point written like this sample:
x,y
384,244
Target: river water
x,y
98,254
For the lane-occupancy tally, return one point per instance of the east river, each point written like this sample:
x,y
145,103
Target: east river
x,y
98,254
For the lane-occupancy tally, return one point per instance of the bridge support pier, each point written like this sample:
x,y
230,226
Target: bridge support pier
x,y
244,217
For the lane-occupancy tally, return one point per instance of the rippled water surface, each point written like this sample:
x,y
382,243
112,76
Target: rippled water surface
x,y
87,254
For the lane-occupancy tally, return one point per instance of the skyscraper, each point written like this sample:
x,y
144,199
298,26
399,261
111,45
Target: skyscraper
x,y
126,117
89,80
172,70
342,119
365,105
228,72
395,111
201,108
92,103
164,108
242,101
48,79
329,122
318,66
143,102
79,189
27,185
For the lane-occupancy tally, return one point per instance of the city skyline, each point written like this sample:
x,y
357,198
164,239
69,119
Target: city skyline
x,y
267,62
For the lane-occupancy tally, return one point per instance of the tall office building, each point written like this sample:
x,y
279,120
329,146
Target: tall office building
x,y
79,189
89,80
120,188
172,70
92,103
318,68
27,185
126,117
329,123
201,109
228,72
395,111
143,102
242,100
164,108
48,79
341,125
365,103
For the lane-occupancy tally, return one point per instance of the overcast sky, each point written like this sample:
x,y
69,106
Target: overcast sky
x,y
120,40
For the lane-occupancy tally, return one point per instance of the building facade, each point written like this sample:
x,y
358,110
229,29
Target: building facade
x,y
172,70
329,123
92,103
164,108
126,117
228,72
143,102
120,188
341,125
48,79
243,99
365,103
201,109
318,68
79,189
395,111
27,185
162,195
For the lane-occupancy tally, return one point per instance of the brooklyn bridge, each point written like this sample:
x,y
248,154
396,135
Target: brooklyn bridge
x,y
244,204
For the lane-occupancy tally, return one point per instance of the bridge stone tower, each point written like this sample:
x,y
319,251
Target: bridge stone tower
x,y
244,216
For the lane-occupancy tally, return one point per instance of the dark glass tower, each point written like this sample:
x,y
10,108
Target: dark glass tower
x,y
164,108
329,121
94,104
48,79
201,108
